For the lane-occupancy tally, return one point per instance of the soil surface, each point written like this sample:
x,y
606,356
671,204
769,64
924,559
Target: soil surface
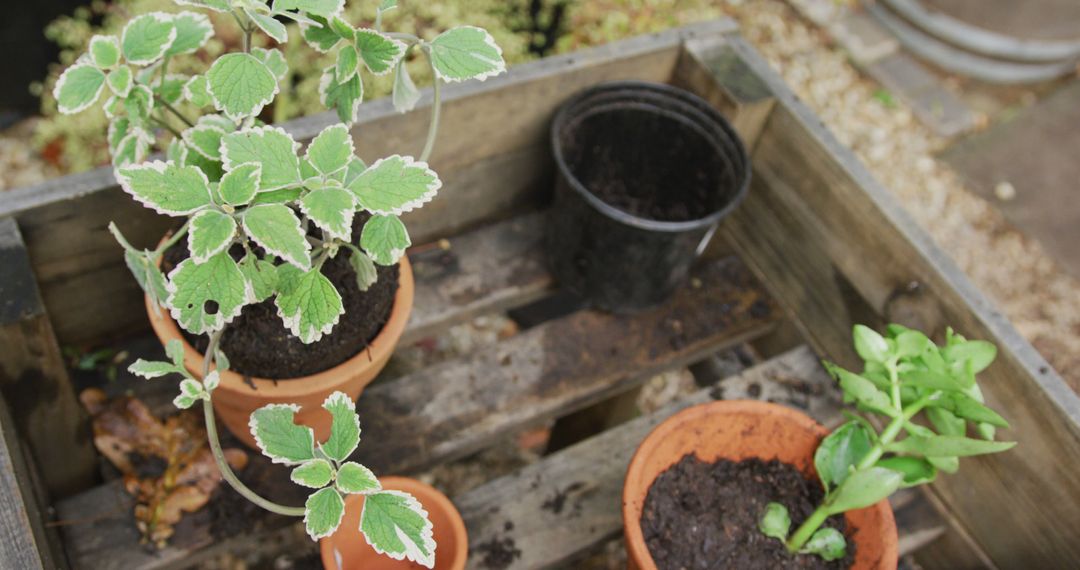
x,y
647,165
701,515
258,344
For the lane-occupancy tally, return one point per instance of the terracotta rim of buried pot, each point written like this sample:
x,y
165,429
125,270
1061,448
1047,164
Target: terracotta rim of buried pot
x,y
786,434
432,500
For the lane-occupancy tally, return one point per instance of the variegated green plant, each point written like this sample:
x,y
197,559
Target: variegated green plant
x,y
238,182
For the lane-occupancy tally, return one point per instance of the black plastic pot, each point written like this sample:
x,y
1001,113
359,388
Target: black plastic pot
x,y
646,171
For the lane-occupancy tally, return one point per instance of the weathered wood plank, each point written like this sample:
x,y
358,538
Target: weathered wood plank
x,y
817,215
492,155
458,407
34,378
553,512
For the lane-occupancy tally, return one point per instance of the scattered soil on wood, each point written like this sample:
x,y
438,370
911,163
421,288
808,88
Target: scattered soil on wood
x,y
701,515
498,553
258,344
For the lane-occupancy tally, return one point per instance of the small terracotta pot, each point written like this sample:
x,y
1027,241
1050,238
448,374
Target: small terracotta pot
x,y
235,399
347,549
737,430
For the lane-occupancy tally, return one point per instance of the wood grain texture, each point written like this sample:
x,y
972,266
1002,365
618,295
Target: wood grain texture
x,y
816,215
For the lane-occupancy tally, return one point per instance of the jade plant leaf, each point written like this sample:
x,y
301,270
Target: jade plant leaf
x,y
192,32
262,275
344,97
78,87
776,522
364,267
332,211
211,232
105,51
916,470
864,488
316,474
322,513
307,302
828,543
146,38
344,428
203,297
331,150
354,478
379,52
165,187
395,524
947,446
277,229
385,239
840,452
278,435
239,185
241,85
272,148
466,52
405,94
395,185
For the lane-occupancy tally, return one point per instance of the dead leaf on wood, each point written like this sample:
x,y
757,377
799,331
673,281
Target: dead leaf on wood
x,y
166,465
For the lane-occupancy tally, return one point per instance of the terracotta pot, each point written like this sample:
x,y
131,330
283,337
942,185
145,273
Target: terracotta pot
x,y
738,430
347,549
235,398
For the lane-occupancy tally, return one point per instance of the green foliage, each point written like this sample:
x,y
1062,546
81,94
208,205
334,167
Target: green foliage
x,y
776,522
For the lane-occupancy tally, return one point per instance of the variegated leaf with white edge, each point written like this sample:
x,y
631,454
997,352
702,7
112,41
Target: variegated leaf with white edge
x,y
204,297
307,302
147,38
105,51
78,87
324,8
331,150
344,427
239,185
271,27
395,524
174,349
323,512
271,147
344,98
385,239
120,81
152,369
211,233
197,92
215,5
193,30
241,85
130,150
379,52
274,60
366,272
205,139
315,474
262,275
348,63
279,437
405,94
353,478
277,229
165,187
395,185
353,171
190,392
466,52
320,37
331,209
213,379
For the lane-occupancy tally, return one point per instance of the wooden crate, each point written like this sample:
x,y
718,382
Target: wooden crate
x,y
817,246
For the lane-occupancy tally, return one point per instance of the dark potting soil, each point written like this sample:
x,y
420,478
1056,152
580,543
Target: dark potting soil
x,y
647,165
701,515
258,344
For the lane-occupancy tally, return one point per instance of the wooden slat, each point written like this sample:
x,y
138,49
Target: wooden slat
x,y
456,408
492,156
817,216
553,512
34,377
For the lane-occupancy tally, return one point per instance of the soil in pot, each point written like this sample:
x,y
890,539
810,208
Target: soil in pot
x,y
700,515
258,344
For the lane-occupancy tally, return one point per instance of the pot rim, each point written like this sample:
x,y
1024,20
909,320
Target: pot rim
x,y
379,348
680,97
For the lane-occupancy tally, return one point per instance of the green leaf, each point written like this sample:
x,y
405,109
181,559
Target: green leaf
x,y
386,5
385,239
120,81
274,60
931,380
210,234
841,451
353,171
916,470
966,407
348,62
775,522
354,478
146,38
190,392
979,352
913,343
78,87
277,229
948,446
131,149
342,28
215,5
171,89
238,186
279,437
870,345
395,185
466,52
197,91
205,139
344,98
174,349
270,147
331,150
322,513
379,52
203,297
344,428
192,32
165,187
828,543
213,379
283,196
395,524
148,369
139,103
405,94
945,421
240,85
864,488
316,474
269,25
324,8
366,273
261,274
946,464
307,302
332,211
147,275
105,51
321,38
862,390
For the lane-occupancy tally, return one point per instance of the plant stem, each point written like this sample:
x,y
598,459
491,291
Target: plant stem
x,y
165,245
161,123
176,113
436,106
219,455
